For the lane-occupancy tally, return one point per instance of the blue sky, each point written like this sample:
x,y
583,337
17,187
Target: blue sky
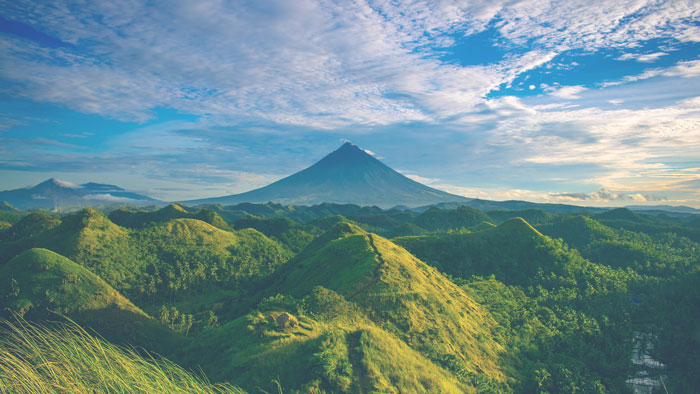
x,y
589,103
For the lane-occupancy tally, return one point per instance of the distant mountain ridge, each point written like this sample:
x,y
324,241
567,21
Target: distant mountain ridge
x,y
348,175
55,193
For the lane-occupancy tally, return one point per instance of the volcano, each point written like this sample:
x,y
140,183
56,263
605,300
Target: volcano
x,y
55,193
348,175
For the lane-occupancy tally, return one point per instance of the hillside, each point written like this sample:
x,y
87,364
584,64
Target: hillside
x,y
327,304
403,296
483,252
40,280
160,259
140,219
370,319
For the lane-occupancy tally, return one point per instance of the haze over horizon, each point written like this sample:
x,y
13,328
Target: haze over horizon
x,y
587,104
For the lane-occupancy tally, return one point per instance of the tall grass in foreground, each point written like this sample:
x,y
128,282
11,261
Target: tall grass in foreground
x,y
65,359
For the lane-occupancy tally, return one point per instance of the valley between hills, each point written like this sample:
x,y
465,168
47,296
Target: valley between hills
x,y
340,298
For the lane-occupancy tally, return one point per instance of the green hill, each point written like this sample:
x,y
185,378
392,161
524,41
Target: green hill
x,y
284,230
39,283
403,296
578,231
141,218
436,219
162,258
659,253
516,254
534,216
341,350
483,252
620,214
190,253
34,223
6,206
39,279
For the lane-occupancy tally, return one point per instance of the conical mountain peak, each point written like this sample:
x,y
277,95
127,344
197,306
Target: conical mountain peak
x,y
348,175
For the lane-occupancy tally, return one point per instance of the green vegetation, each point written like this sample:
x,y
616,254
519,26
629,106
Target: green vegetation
x,y
318,300
435,219
403,296
142,218
66,359
33,223
6,206
284,230
39,279
162,259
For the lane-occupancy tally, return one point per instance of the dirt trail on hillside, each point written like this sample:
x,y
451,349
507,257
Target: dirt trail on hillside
x,y
360,376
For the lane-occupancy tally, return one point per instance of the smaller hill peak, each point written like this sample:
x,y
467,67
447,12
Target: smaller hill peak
x,y
518,225
86,217
619,214
6,206
173,207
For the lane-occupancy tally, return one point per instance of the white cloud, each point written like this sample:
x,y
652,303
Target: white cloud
x,y
642,58
602,195
109,198
567,92
684,69
320,64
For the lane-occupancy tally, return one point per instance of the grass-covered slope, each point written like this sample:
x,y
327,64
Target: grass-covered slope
x,y
6,206
657,253
436,219
284,230
513,251
66,359
40,284
578,231
403,296
190,253
88,238
141,218
337,351
31,224
162,258
39,279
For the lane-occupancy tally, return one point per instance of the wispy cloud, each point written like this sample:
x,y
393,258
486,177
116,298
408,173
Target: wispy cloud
x,y
567,92
643,58
604,195
684,69
365,62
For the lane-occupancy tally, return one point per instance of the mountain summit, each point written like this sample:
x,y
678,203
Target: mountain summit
x,y
55,193
348,175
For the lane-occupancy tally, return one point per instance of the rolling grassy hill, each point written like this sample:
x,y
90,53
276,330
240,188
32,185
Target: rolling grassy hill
x,y
327,304
140,219
39,279
161,258
401,295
